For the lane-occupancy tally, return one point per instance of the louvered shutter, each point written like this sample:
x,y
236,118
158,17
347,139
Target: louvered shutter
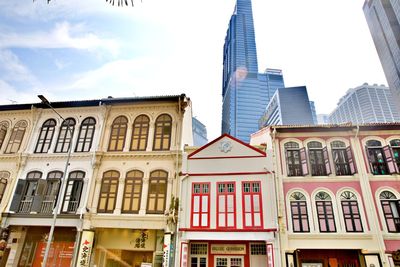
x,y
350,158
18,195
304,163
326,161
39,194
391,164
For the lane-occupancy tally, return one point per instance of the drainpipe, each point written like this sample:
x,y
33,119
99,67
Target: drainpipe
x,y
364,181
277,194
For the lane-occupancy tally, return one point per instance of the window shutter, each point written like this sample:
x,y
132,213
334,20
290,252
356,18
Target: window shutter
x,y
350,158
18,195
391,164
38,198
326,161
370,160
304,163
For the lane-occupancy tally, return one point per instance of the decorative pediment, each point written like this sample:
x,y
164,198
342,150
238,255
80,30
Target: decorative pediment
x,y
226,146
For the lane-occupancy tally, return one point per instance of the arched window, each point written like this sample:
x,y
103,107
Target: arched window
x,y
157,192
132,192
351,212
85,137
293,161
326,217
31,188
17,135
3,132
51,192
298,207
4,176
45,136
140,133
317,158
391,211
162,133
376,157
108,192
342,158
118,133
65,136
395,144
73,192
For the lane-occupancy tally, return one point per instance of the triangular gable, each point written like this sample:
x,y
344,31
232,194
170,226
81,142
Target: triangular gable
x,y
226,146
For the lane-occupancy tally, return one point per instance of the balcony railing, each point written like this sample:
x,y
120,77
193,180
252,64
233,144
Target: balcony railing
x,y
318,170
47,205
72,206
342,169
294,170
26,204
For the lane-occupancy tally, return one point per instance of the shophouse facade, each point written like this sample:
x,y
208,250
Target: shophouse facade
x,y
118,185
228,212
339,191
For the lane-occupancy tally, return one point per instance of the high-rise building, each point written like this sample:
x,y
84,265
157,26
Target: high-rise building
x,y
366,103
245,92
313,112
383,18
282,110
199,132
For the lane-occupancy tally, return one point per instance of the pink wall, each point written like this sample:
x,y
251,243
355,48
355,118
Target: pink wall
x,y
392,245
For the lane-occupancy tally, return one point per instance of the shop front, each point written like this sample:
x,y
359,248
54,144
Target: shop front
x,y
34,246
227,254
128,247
331,258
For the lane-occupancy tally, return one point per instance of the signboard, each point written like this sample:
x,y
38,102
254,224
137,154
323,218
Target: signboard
x,y
184,254
236,249
138,239
166,250
85,249
396,257
60,254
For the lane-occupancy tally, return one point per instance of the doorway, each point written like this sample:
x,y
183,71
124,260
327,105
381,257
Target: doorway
x,y
229,261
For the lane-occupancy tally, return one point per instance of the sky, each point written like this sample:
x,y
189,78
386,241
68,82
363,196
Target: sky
x,y
74,49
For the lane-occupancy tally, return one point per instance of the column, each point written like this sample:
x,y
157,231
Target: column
x,y
145,192
96,195
169,192
150,138
120,195
128,138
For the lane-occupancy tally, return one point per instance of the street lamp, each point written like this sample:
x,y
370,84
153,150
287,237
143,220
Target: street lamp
x,y
56,208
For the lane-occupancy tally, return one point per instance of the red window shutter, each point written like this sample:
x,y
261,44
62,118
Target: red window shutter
x,y
350,158
326,161
304,163
391,164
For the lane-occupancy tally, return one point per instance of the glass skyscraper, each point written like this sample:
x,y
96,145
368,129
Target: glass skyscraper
x,y
383,18
245,91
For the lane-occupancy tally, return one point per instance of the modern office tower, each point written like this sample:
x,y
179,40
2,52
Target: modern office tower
x,y
245,92
366,103
383,18
288,106
313,112
322,118
199,133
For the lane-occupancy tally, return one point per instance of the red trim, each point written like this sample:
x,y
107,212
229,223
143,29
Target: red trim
x,y
224,173
200,212
249,230
231,157
187,254
228,136
252,194
226,213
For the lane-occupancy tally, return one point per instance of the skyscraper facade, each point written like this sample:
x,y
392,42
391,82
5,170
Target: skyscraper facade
x,y
366,103
383,18
245,91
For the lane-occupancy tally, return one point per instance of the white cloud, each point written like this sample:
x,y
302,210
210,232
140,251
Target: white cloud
x,y
12,69
10,95
63,35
